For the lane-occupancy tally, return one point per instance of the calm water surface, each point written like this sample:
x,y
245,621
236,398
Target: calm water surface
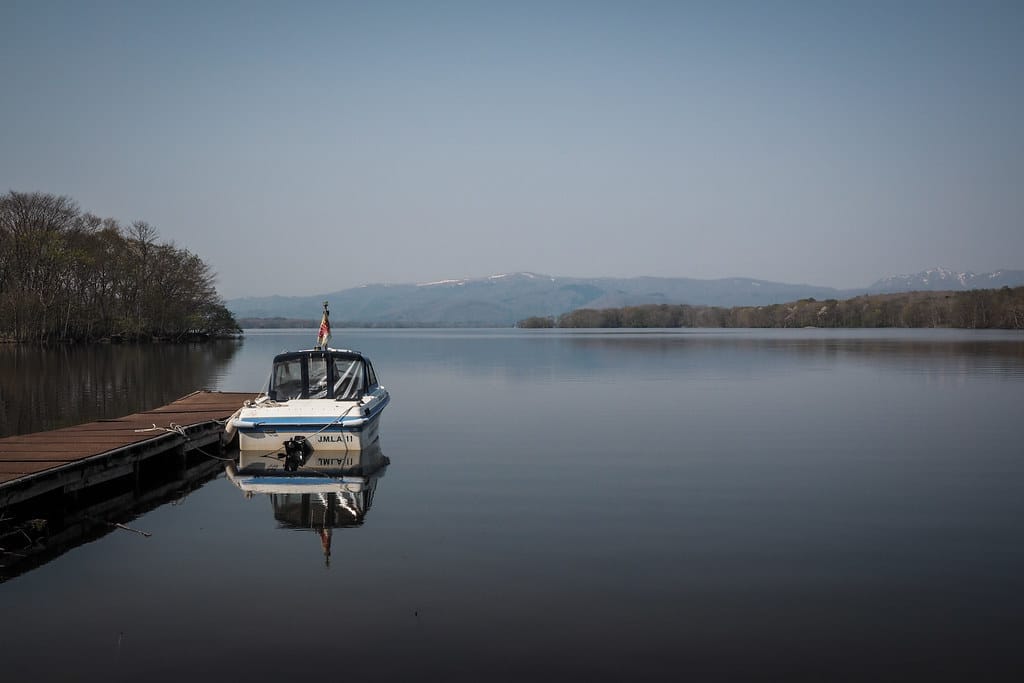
x,y
695,505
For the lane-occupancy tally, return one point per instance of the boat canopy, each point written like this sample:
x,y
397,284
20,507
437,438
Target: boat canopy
x,y
330,374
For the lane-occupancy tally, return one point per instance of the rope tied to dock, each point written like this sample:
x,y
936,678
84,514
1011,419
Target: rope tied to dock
x,y
174,428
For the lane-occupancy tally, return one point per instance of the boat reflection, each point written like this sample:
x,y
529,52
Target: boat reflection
x,y
311,500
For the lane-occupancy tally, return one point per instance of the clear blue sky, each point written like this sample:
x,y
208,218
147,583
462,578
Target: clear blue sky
x,y
305,147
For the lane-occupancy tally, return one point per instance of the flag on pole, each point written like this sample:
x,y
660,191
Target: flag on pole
x,y
325,330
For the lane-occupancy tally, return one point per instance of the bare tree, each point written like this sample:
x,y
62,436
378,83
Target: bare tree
x,y
71,275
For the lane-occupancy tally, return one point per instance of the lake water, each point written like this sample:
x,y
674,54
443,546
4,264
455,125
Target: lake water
x,y
684,505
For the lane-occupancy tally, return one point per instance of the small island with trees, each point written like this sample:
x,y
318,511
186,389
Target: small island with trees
x,y
68,275
974,309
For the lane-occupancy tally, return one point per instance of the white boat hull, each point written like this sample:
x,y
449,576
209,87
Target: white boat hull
x,y
320,468
337,439
264,451
322,409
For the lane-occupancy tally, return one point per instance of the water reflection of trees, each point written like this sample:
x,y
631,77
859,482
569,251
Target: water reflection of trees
x,y
1002,355
45,388
807,342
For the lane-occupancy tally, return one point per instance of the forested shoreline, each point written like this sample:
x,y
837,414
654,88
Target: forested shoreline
x,y
974,309
68,275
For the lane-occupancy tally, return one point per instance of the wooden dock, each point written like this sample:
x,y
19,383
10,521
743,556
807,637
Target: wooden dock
x,y
64,461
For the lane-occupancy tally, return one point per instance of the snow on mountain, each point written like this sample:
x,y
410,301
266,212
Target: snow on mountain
x,y
943,279
489,278
441,282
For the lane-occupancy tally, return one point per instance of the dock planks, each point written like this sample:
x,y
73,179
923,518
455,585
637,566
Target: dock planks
x,y
37,456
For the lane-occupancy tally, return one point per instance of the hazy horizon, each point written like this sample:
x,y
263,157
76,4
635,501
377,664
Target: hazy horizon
x,y
315,147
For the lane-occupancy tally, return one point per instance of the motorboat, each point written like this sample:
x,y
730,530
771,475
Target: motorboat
x,y
322,406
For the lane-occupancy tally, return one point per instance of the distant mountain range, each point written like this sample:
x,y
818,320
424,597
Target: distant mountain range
x,y
502,300
942,279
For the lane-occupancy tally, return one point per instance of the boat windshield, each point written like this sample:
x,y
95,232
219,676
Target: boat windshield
x,y
286,380
348,378
317,376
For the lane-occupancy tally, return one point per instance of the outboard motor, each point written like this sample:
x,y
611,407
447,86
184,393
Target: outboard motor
x,y
296,451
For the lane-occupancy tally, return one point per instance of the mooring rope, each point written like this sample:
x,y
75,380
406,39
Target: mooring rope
x,y
174,428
